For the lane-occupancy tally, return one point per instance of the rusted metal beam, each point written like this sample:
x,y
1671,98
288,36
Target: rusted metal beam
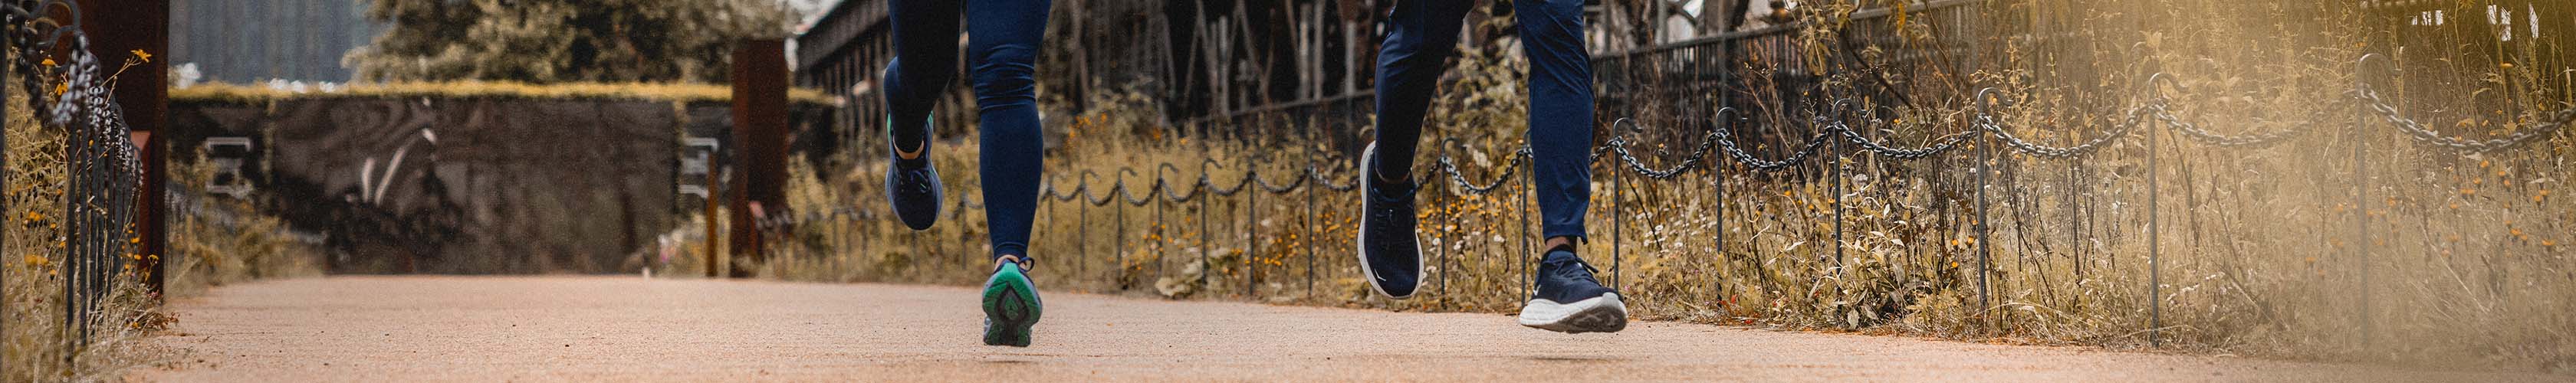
x,y
759,129
118,29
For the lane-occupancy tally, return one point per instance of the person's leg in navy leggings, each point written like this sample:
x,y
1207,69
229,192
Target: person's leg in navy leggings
x,y
925,49
1003,38
1003,41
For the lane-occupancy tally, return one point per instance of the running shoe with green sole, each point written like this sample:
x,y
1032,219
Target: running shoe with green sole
x,y
1010,307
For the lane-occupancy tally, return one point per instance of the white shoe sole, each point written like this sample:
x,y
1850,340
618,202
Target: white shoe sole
x,y
1604,313
1362,240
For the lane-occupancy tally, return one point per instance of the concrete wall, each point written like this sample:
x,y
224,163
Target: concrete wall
x,y
471,185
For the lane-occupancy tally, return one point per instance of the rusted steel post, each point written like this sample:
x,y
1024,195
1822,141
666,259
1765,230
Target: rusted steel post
x,y
711,219
114,29
759,130
151,226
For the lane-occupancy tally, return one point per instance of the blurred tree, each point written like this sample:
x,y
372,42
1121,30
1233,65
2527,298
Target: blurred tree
x,y
546,41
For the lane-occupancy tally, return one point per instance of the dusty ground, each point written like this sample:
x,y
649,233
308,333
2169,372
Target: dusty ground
x,y
633,329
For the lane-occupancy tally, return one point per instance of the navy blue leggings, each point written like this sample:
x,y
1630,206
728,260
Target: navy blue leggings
x,y
1002,48
1424,34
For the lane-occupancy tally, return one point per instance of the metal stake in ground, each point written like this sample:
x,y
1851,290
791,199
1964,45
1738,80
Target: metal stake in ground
x,y
1251,240
2361,208
1081,225
1717,170
1205,246
1617,277
2155,306
1309,240
1155,196
1528,184
1841,159
1985,159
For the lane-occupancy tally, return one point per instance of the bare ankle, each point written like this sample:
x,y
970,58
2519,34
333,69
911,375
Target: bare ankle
x,y
1559,241
911,155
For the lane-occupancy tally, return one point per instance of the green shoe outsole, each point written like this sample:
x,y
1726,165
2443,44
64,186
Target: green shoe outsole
x,y
1011,307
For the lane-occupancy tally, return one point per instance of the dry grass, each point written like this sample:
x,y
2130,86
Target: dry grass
x,y
2255,250
228,241
37,347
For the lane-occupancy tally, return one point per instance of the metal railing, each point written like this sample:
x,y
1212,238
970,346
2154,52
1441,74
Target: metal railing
x,y
98,226
1837,135
1700,101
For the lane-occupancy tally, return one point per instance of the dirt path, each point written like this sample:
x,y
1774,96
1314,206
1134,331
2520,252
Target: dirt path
x,y
630,329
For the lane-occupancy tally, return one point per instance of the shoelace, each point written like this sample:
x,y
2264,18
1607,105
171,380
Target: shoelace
x,y
916,179
1396,208
1025,264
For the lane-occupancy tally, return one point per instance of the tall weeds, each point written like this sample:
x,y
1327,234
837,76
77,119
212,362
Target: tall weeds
x,y
2257,250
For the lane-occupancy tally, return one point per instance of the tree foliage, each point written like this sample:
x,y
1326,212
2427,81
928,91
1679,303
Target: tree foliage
x,y
549,41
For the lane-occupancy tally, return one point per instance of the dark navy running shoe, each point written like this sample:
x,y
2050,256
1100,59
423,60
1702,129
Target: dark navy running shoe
x,y
1011,306
911,184
1570,300
1389,253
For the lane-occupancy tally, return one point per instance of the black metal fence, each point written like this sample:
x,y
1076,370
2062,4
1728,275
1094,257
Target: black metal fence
x,y
1705,95
98,235
1834,137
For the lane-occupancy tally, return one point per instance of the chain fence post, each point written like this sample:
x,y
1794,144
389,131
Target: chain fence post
x,y
1311,237
1155,197
1253,237
1440,234
2361,208
1528,185
1082,226
2074,233
1840,159
1206,185
1118,243
1618,218
1985,163
1717,171
2155,260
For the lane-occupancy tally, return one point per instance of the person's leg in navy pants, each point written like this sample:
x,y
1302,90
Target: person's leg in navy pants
x,y
1002,48
1003,38
1422,37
